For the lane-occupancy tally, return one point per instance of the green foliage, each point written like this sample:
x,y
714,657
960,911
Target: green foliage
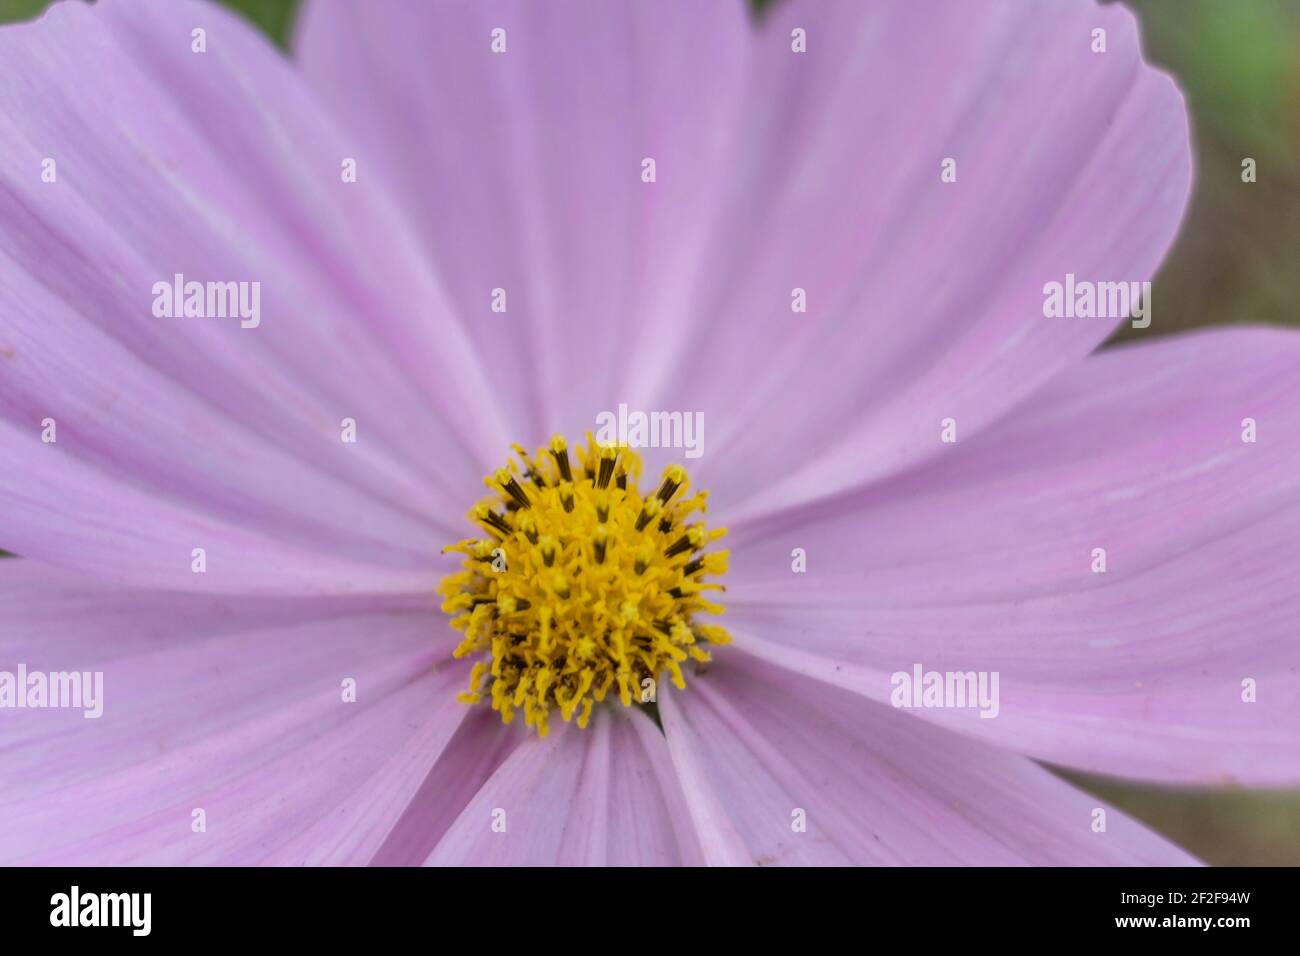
x,y
274,17
11,10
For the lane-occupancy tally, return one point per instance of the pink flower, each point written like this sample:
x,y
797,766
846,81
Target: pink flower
x,y
136,149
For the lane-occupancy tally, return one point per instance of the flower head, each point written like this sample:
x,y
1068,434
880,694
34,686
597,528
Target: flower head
x,y
582,585
828,233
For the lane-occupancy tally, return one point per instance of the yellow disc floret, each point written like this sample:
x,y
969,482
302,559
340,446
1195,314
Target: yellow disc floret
x,y
581,586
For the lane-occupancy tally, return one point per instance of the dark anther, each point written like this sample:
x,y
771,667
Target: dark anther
x,y
562,459
497,522
517,493
680,546
606,472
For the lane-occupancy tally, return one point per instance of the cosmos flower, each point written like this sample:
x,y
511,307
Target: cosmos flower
x,y
471,224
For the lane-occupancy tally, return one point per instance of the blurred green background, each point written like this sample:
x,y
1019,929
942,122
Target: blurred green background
x,y
1237,260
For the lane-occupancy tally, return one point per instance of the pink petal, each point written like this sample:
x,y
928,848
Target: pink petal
x,y
176,433
761,752
479,748
244,718
523,168
821,173
983,561
397,818
925,299
601,796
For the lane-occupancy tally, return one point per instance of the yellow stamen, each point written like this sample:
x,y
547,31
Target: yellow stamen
x,y
581,585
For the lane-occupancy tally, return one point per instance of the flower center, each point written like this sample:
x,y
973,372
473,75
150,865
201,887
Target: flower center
x,y
582,585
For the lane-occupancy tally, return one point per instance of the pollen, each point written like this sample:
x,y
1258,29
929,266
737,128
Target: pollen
x,y
579,587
